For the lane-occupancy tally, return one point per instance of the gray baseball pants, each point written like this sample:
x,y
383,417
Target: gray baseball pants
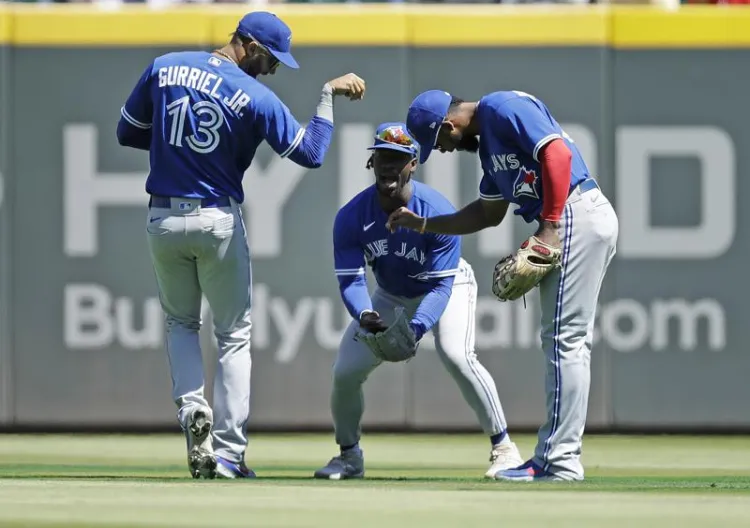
x,y
199,251
569,298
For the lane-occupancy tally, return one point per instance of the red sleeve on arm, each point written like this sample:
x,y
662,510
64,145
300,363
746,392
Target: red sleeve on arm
x,y
556,160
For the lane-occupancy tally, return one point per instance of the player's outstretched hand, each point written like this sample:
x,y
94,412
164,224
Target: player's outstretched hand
x,y
350,85
403,217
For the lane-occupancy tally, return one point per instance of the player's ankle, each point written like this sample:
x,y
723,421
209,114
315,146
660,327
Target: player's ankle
x,y
501,438
349,448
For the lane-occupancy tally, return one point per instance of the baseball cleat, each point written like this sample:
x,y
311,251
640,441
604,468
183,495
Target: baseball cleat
x,y
201,459
527,472
503,456
348,465
232,470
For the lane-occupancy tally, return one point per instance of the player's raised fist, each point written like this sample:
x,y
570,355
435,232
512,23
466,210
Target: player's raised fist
x,y
350,85
403,217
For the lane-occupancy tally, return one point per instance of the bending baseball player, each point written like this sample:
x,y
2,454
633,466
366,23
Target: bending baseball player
x,y
422,284
529,160
202,116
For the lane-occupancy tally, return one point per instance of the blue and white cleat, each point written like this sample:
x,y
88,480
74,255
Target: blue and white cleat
x,y
526,472
231,470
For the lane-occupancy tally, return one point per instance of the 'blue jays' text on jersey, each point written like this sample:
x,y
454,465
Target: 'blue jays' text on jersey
x,y
206,118
405,263
514,126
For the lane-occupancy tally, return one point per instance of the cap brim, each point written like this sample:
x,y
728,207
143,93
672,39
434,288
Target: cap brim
x,y
397,148
423,112
286,59
424,153
426,147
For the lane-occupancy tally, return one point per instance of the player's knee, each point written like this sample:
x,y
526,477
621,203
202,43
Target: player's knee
x,y
569,347
183,323
239,331
233,324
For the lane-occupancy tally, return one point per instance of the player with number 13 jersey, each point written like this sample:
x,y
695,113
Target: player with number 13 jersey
x,y
208,119
201,116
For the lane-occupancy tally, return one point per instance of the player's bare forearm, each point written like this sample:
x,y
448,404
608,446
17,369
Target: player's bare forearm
x,y
548,224
468,220
474,217
478,215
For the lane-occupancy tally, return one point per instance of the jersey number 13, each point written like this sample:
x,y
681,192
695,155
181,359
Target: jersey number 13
x,y
209,119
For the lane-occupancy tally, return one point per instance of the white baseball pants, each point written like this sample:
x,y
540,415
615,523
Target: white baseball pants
x,y
454,339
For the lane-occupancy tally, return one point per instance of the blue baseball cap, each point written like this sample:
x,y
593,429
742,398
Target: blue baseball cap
x,y
271,32
426,113
395,136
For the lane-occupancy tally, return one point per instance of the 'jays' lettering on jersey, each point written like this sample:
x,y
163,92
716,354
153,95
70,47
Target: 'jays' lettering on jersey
x,y
514,127
202,119
404,263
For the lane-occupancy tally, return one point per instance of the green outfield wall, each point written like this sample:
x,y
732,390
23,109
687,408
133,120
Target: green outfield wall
x,y
656,101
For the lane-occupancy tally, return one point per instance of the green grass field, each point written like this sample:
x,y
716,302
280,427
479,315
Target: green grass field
x,y
412,480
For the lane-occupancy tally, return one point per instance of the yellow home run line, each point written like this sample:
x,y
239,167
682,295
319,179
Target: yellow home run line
x,y
385,25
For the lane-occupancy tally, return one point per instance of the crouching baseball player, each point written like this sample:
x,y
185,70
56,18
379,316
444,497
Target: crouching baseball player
x,y
422,284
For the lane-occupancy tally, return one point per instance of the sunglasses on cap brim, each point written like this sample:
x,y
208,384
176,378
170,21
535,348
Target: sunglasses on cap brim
x,y
396,136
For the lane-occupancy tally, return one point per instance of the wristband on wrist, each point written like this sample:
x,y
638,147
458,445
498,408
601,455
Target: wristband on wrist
x,y
325,105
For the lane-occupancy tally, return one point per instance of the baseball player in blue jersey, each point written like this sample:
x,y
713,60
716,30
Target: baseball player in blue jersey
x,y
422,284
202,116
530,161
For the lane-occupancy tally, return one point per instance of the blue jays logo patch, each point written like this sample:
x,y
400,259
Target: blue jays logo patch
x,y
526,183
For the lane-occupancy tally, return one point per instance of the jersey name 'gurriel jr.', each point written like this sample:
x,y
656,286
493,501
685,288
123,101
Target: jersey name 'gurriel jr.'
x,y
202,81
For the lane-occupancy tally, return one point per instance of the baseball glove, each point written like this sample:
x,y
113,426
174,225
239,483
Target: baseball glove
x,y
396,343
516,274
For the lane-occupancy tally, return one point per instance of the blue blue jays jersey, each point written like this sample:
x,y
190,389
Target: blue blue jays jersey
x,y
405,263
514,126
207,119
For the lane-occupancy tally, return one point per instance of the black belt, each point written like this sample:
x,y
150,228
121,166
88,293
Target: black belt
x,y
165,202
